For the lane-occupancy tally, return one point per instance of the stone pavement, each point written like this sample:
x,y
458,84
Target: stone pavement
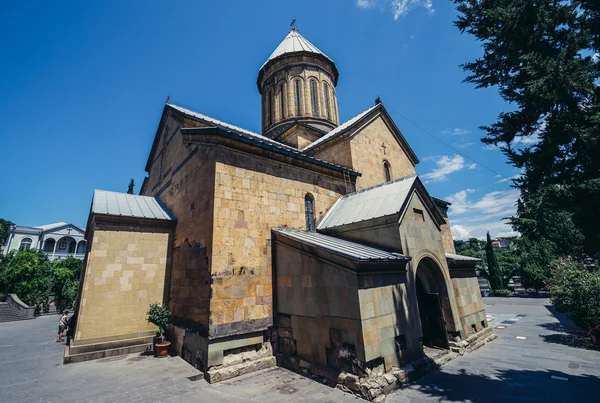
x,y
508,369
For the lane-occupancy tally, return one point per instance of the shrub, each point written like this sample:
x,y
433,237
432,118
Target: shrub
x,y
159,315
502,293
575,291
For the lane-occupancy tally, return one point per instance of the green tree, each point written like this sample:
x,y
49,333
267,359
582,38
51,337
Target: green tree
x,y
4,229
493,268
534,261
130,187
540,56
27,273
65,278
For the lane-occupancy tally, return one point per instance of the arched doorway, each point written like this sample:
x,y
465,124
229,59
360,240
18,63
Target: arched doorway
x,y
433,303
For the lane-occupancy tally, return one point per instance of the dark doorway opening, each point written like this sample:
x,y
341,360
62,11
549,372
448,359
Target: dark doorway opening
x,y
432,318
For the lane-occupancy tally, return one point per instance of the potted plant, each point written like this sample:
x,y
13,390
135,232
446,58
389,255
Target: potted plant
x,y
159,315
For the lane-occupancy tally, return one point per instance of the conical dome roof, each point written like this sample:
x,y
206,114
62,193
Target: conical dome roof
x,y
294,42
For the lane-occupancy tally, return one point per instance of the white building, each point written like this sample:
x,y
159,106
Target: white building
x,y
58,240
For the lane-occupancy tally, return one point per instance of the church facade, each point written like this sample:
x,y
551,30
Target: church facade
x,y
314,241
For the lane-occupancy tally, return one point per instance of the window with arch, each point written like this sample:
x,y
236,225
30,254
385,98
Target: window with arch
x,y
282,101
25,244
314,97
327,106
270,107
297,90
386,170
309,211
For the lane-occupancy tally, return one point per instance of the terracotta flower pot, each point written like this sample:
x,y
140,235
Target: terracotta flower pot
x,y
162,349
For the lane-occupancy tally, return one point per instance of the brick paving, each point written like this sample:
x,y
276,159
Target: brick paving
x,y
508,369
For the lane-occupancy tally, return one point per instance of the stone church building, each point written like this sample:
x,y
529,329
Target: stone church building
x,y
312,242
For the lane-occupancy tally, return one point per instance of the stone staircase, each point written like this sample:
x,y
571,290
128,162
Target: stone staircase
x,y
96,349
10,314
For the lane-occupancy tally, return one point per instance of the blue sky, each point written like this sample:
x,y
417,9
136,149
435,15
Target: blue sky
x,y
83,85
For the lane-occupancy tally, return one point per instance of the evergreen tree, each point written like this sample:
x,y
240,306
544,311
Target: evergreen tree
x,y
130,187
543,58
494,275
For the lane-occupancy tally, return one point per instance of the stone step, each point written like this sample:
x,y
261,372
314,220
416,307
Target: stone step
x,y
109,345
10,314
95,355
224,373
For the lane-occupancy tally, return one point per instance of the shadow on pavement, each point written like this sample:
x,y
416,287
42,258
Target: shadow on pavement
x,y
567,332
507,385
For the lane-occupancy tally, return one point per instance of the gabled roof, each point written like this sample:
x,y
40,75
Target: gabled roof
x,y
347,249
247,136
348,126
461,258
129,205
51,226
292,43
387,199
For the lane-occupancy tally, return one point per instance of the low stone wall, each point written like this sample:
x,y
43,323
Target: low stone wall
x,y
376,383
14,301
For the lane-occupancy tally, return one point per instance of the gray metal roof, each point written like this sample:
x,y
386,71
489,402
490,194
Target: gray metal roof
x,y
338,130
129,205
378,201
461,258
256,138
351,250
294,42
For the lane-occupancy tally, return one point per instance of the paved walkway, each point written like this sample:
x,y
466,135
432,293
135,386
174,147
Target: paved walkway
x,y
508,369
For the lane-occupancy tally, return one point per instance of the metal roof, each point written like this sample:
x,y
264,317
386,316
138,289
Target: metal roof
x,y
50,226
338,130
461,258
351,250
294,42
129,205
256,138
378,201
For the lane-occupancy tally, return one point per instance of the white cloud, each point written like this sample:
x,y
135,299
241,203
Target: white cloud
x,y
491,203
457,131
596,57
399,8
517,176
472,166
474,218
445,166
460,146
527,140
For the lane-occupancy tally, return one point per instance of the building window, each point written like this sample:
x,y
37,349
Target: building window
x,y
282,101
327,107
309,210
420,217
270,108
386,170
298,109
315,98
25,244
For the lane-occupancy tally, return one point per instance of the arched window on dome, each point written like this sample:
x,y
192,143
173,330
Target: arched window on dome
x,y
327,106
25,244
297,90
315,97
309,211
386,171
282,101
270,107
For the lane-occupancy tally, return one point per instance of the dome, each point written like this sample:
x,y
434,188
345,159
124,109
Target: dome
x,y
292,43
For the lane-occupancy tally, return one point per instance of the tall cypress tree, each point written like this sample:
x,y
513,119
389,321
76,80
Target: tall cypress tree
x,y
495,277
544,58
130,187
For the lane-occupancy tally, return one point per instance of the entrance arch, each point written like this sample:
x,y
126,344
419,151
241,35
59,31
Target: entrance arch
x,y
433,303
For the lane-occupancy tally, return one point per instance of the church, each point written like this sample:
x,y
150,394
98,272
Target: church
x,y
314,243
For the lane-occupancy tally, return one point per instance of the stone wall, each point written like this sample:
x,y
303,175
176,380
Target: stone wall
x,y
468,299
253,195
369,153
124,274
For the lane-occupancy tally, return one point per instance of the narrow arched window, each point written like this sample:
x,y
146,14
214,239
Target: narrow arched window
x,y
282,101
298,110
327,107
386,170
270,106
25,244
315,98
309,211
